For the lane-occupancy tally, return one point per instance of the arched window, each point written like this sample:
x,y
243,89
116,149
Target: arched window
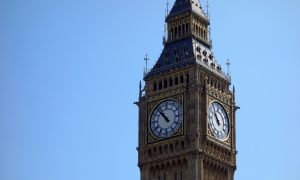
x,y
176,81
170,82
154,86
181,79
160,85
187,78
177,60
187,27
165,83
179,30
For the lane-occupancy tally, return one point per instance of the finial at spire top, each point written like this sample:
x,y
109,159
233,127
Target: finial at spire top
x,y
146,59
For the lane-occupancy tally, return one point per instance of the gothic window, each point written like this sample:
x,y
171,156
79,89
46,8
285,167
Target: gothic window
x,y
175,31
165,83
160,85
160,150
171,148
149,153
179,30
176,81
154,86
183,29
175,52
166,149
181,79
187,27
198,49
187,56
170,82
177,60
172,33
182,145
187,78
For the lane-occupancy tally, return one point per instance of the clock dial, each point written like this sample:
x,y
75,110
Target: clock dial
x,y
166,118
218,121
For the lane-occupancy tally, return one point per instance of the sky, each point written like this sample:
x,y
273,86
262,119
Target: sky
x,y
70,69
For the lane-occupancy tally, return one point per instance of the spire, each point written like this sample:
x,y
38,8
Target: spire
x,y
183,6
188,40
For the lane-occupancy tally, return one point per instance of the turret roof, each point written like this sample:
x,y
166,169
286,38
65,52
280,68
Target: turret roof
x,y
182,6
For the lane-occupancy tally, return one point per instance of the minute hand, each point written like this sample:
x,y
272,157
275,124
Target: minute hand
x,y
165,117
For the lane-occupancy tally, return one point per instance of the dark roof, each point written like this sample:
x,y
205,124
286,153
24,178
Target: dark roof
x,y
185,52
183,6
176,54
188,50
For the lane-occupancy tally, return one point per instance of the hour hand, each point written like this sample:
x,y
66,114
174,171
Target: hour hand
x,y
165,117
217,119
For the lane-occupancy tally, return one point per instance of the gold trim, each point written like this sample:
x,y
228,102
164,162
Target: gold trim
x,y
211,136
151,138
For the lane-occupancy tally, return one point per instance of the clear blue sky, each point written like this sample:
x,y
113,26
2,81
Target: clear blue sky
x,y
69,73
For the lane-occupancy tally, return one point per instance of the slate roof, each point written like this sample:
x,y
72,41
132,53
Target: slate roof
x,y
184,52
183,6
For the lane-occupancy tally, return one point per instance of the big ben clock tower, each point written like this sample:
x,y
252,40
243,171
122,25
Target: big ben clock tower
x,y
186,109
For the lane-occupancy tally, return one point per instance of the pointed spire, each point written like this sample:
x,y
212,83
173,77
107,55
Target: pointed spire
x,y
183,6
233,91
140,89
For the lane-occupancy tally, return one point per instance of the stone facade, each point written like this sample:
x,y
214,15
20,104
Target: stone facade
x,y
193,152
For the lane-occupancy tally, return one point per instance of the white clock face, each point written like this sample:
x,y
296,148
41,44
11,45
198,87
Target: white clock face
x,y
166,118
218,121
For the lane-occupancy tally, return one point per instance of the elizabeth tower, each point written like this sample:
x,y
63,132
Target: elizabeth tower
x,y
186,109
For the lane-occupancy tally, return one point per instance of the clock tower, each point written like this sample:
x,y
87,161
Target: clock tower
x,y
186,109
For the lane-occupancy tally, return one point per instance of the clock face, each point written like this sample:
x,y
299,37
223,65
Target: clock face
x,y
218,121
166,118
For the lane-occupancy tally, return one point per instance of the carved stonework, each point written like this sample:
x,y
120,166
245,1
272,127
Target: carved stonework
x,y
153,102
201,145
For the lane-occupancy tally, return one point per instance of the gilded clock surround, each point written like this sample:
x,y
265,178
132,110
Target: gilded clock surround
x,y
151,106
226,141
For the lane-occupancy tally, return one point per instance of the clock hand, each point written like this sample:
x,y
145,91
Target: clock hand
x,y
165,117
217,119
